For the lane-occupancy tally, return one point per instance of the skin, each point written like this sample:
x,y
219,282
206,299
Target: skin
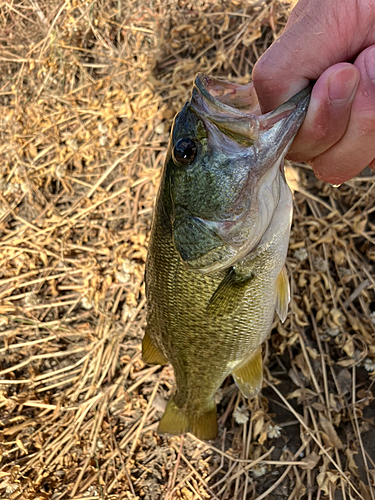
x,y
332,42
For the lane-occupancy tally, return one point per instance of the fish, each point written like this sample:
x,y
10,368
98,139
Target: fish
x,y
215,270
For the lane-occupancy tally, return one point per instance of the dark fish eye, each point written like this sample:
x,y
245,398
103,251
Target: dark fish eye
x,y
184,152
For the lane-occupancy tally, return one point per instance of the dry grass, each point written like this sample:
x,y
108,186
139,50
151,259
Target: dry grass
x,y
88,91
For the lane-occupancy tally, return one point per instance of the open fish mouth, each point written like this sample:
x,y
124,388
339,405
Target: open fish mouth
x,y
234,109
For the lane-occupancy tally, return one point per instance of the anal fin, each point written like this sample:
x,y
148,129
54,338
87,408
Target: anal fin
x,y
178,421
249,375
283,294
151,354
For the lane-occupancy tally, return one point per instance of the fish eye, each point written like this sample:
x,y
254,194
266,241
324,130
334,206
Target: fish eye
x,y
184,152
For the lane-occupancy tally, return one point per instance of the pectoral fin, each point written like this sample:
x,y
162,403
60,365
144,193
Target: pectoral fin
x,y
249,375
283,294
228,294
151,354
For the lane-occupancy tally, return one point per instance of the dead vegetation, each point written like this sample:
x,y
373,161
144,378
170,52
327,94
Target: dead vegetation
x,y
88,90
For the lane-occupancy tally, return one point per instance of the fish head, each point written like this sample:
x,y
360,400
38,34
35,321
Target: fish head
x,y
223,171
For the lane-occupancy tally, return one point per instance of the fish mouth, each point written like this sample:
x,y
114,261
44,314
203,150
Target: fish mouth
x,y
234,109
229,106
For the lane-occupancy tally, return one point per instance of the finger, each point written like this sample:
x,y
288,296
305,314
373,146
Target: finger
x,y
349,156
297,12
324,34
328,113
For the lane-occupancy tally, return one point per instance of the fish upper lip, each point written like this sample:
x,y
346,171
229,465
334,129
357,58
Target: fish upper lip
x,y
229,93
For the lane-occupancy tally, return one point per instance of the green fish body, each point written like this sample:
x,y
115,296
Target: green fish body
x,y
215,269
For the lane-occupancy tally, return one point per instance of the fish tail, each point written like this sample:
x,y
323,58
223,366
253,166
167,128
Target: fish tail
x,y
178,421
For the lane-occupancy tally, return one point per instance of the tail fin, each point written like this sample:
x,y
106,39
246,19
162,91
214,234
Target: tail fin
x,y
177,421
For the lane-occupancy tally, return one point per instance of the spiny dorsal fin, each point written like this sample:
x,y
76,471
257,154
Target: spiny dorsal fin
x,y
249,375
228,294
283,294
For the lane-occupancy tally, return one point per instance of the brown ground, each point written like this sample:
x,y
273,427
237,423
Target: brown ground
x,y
88,90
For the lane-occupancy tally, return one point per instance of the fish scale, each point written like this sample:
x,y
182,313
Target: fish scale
x,y
206,317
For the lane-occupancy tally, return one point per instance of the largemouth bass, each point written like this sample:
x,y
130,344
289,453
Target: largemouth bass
x,y
215,270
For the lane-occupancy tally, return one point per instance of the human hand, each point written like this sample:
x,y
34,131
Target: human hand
x,y
338,135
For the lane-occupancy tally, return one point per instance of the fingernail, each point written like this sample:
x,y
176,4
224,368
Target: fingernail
x,y
370,63
342,84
